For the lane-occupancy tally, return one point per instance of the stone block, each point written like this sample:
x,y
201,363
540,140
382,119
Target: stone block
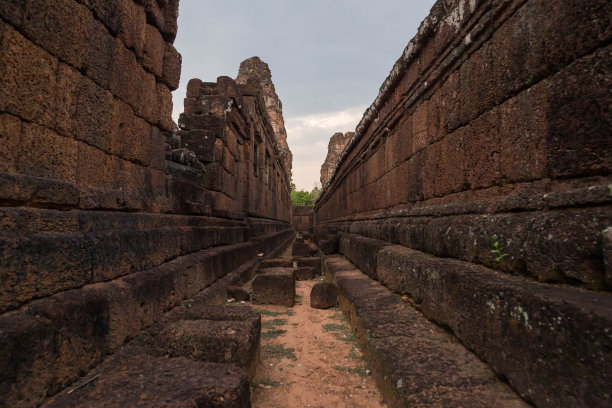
x,y
323,295
105,11
60,27
302,249
312,261
93,116
98,54
171,70
132,25
304,273
137,379
362,252
12,11
233,342
153,51
238,293
27,78
578,139
130,136
276,262
164,108
201,142
329,245
274,286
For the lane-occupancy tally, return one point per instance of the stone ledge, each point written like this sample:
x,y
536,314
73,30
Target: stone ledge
x,y
414,362
138,379
534,334
71,331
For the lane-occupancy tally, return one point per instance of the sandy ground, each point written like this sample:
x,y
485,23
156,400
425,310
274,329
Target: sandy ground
x,y
310,358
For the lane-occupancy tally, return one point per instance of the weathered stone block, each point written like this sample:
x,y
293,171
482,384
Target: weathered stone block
x,y
153,51
313,261
323,295
27,78
276,262
12,11
274,286
238,293
329,245
93,116
171,70
231,342
132,25
58,26
138,379
164,107
98,53
105,11
201,142
362,252
304,273
303,249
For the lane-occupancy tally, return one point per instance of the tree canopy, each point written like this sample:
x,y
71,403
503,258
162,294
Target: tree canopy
x,y
305,198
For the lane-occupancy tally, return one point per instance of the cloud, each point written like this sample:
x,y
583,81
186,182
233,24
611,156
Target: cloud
x,y
308,137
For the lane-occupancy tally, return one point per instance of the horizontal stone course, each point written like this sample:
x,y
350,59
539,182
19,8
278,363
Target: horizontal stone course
x,y
534,325
414,362
98,319
138,379
524,236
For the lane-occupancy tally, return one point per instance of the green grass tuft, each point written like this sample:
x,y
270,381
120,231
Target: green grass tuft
x,y
334,327
278,351
272,333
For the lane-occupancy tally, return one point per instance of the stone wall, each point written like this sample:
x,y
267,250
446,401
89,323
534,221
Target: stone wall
x,y
336,146
303,218
495,121
104,224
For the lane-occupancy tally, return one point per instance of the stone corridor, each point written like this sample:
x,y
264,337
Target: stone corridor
x,y
464,228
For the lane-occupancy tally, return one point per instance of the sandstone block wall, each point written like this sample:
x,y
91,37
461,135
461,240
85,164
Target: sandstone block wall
x,y
303,218
495,121
103,226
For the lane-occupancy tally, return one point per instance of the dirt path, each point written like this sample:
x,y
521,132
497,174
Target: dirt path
x,y
309,358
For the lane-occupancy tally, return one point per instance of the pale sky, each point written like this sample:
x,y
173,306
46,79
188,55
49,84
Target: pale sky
x,y
328,59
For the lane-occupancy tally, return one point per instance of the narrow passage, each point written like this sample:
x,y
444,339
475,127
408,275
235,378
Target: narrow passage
x,y
310,358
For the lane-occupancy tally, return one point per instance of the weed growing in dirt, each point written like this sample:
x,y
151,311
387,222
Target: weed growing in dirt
x,y
334,327
278,351
340,332
273,333
361,371
354,355
497,250
265,312
273,323
339,316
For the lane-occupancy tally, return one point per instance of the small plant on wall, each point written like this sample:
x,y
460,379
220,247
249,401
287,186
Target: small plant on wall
x,y
497,250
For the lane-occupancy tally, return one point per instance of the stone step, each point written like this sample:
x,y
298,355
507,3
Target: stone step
x,y
414,362
51,342
196,355
274,286
136,379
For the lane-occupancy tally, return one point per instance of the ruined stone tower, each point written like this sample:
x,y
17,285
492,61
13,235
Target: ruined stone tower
x,y
255,69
